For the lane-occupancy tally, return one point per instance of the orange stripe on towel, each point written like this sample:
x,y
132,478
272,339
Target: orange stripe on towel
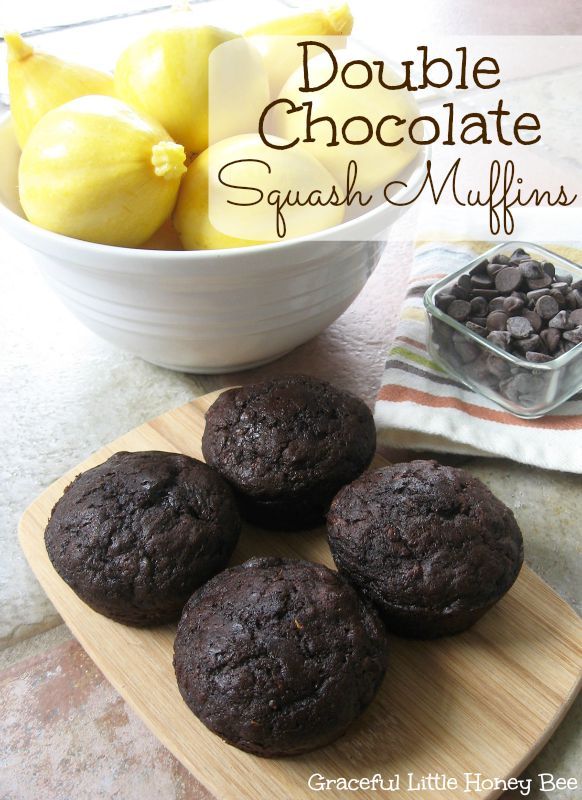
x,y
400,394
411,342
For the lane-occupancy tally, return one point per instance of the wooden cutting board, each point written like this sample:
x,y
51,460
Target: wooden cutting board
x,y
482,702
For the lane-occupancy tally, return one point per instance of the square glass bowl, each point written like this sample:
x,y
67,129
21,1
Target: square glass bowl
x,y
524,388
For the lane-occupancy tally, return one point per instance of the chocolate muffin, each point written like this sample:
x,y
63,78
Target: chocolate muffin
x,y
136,535
430,545
278,656
286,446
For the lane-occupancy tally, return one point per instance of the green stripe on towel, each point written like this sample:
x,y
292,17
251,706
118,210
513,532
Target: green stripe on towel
x,y
411,356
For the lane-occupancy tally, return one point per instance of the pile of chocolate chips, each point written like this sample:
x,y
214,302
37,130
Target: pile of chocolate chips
x,y
519,304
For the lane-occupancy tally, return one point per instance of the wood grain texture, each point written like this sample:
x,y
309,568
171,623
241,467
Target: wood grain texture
x,y
485,701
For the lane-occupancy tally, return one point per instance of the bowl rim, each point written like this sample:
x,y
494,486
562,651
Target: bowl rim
x,y
328,235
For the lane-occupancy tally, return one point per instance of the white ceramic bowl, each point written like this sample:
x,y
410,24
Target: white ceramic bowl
x,y
201,311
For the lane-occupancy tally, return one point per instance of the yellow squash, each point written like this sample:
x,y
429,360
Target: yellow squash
x,y
39,82
377,163
282,57
165,238
214,210
97,170
166,74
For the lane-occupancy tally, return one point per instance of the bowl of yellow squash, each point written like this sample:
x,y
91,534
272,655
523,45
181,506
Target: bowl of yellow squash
x,y
115,198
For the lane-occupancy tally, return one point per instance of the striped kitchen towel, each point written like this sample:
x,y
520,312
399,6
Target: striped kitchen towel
x,y
421,407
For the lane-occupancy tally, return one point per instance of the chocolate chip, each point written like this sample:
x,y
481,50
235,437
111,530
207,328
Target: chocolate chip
x,y
501,259
574,335
549,268
500,339
539,283
576,284
561,286
478,369
467,351
528,343
537,358
497,366
481,282
481,330
509,388
465,282
566,277
479,307
481,267
482,321
547,307
513,305
571,301
459,292
497,320
551,338
561,321
495,267
525,382
534,319
576,316
508,279
519,251
459,310
497,304
535,294
531,269
558,297
519,327
443,299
